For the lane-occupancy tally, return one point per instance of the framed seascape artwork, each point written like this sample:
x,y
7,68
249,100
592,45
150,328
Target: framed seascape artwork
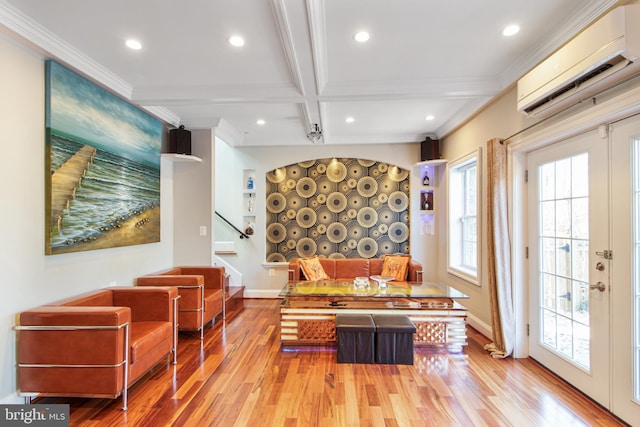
x,y
102,167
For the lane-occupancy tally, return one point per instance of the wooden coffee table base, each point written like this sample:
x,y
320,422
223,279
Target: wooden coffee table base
x,y
438,323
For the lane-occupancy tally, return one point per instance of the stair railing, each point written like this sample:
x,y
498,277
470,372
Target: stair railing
x,y
242,234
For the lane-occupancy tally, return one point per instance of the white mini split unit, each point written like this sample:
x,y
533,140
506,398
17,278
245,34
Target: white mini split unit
x,y
603,55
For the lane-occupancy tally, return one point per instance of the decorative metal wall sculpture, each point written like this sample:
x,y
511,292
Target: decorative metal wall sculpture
x,y
337,208
103,167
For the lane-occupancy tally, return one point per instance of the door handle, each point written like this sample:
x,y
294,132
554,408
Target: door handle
x,y
599,286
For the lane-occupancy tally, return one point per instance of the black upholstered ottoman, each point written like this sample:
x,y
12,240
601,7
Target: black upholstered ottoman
x,y
394,339
355,338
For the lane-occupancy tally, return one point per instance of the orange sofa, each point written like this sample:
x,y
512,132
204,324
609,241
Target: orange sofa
x,y
96,344
350,268
202,292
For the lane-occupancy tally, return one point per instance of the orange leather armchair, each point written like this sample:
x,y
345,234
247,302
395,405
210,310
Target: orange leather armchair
x,y
202,293
96,344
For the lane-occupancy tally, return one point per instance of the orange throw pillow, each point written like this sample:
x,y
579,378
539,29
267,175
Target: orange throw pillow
x,y
312,269
395,266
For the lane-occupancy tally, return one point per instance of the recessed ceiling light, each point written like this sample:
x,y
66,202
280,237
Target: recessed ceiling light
x,y
349,120
429,117
133,44
236,41
361,36
260,122
510,30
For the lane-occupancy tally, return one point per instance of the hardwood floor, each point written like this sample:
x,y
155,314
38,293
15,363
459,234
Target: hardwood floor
x,y
239,376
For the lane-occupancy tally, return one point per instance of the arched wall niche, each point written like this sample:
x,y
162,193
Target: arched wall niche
x,y
337,208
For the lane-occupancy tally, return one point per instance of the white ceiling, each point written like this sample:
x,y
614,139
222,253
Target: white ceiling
x,y
300,64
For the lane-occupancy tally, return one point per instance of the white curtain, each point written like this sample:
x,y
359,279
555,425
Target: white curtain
x,y
499,249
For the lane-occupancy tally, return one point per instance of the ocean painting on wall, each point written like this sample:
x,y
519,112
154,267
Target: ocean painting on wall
x,y
103,167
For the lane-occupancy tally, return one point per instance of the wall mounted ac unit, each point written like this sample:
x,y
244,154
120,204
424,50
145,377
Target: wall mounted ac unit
x,y
600,57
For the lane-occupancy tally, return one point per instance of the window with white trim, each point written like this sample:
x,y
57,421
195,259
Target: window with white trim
x,y
463,208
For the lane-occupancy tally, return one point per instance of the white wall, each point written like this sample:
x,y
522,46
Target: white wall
x,y
501,120
194,198
498,120
29,278
251,252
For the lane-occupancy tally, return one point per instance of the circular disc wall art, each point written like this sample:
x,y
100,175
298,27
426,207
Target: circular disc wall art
x,y
337,207
306,247
336,202
336,232
367,186
276,203
306,187
306,217
336,171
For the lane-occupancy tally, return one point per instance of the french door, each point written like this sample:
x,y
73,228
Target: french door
x,y
570,262
584,264
625,274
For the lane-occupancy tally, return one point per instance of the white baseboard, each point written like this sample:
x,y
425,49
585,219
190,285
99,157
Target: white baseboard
x,y
261,293
480,326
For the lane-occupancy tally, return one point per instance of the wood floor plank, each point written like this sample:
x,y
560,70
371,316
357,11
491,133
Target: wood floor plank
x,y
240,376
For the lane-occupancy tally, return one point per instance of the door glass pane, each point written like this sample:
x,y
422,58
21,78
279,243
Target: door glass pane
x,y
548,219
580,260
563,257
548,258
563,218
563,209
581,343
547,182
580,220
549,328
565,336
563,179
549,291
563,301
580,292
579,168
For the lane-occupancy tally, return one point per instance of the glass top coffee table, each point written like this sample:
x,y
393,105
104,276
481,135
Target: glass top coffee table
x,y
336,288
309,309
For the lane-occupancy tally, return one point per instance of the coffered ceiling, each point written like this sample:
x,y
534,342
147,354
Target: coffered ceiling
x,y
300,64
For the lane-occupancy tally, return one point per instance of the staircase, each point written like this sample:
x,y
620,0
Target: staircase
x,y
234,289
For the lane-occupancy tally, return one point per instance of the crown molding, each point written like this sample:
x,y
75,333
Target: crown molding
x,y
50,45
286,38
221,128
163,114
393,89
219,94
577,22
317,30
322,114
305,113
462,115
387,138
229,134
